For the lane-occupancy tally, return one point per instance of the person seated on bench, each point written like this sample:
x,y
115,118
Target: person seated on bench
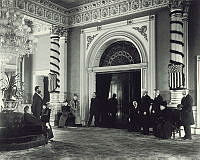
x,y
31,123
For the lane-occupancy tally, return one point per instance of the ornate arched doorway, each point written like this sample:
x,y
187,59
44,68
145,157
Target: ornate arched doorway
x,y
125,84
100,54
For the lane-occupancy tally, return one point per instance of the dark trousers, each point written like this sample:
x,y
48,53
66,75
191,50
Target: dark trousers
x,y
145,124
134,124
96,118
187,130
154,121
113,119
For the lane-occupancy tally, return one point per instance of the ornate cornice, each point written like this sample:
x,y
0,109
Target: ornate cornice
x,y
43,10
92,12
108,9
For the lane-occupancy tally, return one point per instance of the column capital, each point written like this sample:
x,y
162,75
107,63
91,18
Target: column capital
x,y
180,4
64,34
186,8
58,30
176,4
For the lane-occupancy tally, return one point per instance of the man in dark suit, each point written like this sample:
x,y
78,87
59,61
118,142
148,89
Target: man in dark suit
x,y
145,111
37,104
94,110
134,118
187,114
112,104
156,109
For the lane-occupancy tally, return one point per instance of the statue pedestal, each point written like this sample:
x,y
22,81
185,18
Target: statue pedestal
x,y
176,96
55,107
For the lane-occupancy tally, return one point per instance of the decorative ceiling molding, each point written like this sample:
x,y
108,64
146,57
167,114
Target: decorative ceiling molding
x,y
95,11
43,10
108,9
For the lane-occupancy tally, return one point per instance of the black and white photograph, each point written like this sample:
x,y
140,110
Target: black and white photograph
x,y
99,79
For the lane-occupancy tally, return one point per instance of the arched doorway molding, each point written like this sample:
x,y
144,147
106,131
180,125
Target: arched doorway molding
x,y
90,57
98,47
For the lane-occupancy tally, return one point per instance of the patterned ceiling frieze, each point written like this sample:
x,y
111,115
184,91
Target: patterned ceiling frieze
x,y
92,12
108,9
43,10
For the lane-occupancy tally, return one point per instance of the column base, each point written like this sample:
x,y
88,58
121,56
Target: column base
x,y
176,96
54,97
62,97
55,108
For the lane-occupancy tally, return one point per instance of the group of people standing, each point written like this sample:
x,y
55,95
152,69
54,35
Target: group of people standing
x,y
147,113
143,114
103,112
151,113
39,120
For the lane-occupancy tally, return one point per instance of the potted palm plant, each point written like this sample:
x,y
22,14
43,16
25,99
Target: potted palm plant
x,y
12,91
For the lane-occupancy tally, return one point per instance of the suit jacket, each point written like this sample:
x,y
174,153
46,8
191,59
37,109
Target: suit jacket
x,y
45,117
94,106
186,112
134,112
156,105
145,105
112,102
36,107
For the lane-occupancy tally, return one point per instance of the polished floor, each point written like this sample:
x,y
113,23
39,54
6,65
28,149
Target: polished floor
x,y
109,144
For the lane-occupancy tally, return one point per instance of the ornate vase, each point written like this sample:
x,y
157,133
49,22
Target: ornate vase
x,y
10,105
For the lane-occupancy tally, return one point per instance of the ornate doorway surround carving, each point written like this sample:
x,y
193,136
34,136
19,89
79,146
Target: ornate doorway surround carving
x,y
93,43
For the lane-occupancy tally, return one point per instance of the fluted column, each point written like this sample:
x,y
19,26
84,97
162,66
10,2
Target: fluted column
x,y
63,61
185,30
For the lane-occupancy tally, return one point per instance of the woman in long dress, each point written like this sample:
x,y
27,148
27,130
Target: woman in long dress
x,y
75,106
65,114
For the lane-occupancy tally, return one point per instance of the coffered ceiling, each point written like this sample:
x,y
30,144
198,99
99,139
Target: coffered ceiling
x,y
71,3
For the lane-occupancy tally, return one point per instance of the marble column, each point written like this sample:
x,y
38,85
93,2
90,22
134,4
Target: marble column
x,y
177,50
56,69
63,62
84,105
